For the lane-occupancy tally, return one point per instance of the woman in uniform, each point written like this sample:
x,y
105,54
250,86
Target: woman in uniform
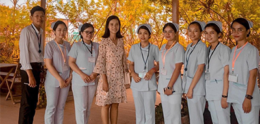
x,y
144,86
82,60
194,79
216,74
58,76
111,65
243,90
171,59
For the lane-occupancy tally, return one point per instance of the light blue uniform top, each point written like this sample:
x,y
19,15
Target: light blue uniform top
x,y
81,53
135,55
194,58
246,61
218,60
53,52
174,56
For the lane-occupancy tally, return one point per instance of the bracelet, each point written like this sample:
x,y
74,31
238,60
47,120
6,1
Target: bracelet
x,y
224,96
249,96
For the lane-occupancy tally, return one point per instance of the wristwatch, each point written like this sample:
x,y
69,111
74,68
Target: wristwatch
x,y
249,96
169,88
224,96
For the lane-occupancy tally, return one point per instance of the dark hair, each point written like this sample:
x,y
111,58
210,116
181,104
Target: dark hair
x,y
37,8
214,26
107,32
243,22
85,26
196,24
144,27
171,25
57,24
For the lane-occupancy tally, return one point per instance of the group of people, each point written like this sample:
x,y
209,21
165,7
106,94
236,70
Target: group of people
x,y
217,74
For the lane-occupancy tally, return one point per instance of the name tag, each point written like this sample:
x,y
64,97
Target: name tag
x,y
81,68
207,75
233,77
92,59
142,75
163,71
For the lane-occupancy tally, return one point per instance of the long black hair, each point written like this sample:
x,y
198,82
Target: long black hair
x,y
107,32
243,22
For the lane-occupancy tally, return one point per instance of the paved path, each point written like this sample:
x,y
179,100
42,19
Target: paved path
x,y
9,112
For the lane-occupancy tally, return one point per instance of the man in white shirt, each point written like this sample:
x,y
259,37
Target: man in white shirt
x,y
31,59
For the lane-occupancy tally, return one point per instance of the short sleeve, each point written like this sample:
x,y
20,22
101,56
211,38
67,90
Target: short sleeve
x,y
48,52
101,60
253,59
225,56
130,55
179,55
202,55
74,51
156,54
68,46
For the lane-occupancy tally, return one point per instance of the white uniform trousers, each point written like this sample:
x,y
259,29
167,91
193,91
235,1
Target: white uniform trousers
x,y
218,114
171,108
56,100
144,106
246,118
196,107
83,97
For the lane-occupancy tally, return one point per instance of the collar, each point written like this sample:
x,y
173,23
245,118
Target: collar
x,y
36,29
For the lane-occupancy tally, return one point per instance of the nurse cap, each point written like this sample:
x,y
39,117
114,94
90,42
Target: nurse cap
x,y
146,25
80,26
218,23
175,25
250,23
52,24
202,24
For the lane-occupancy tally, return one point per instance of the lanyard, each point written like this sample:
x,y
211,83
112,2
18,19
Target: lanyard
x,y
163,57
63,54
235,59
39,39
145,61
188,58
211,54
88,48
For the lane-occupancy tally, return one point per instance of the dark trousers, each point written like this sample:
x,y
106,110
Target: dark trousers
x,y
29,95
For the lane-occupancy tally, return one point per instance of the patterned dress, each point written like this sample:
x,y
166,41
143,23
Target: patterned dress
x,y
112,62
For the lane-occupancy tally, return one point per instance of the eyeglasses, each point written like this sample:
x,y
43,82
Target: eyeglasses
x,y
89,32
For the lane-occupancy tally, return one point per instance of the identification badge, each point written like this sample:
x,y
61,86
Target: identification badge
x,y
207,75
92,59
65,67
163,71
233,77
142,75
